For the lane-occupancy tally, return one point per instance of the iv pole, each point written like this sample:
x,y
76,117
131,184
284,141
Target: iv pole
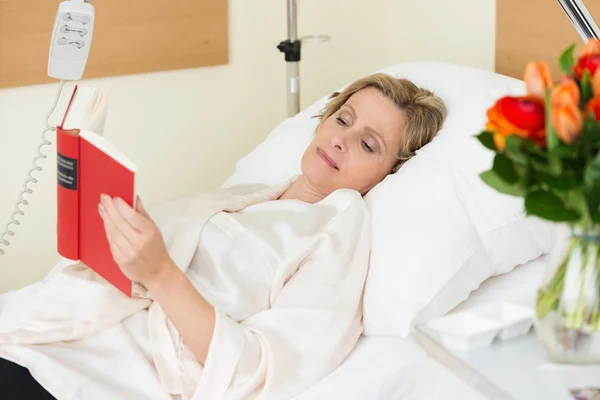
x,y
581,19
576,11
292,49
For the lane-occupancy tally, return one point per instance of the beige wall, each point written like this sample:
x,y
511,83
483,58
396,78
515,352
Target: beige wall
x,y
186,129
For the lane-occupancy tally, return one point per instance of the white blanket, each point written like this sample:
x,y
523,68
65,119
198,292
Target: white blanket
x,y
83,339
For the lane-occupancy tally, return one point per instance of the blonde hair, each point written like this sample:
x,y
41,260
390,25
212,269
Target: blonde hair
x,y
424,112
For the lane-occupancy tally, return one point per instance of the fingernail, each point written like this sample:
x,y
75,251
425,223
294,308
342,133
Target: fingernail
x,y
100,208
104,197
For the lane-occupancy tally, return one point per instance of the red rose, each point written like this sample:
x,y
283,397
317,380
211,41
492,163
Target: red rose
x,y
589,60
522,116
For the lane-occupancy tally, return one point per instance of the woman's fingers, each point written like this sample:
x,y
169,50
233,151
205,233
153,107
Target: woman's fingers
x,y
119,245
140,208
137,220
120,222
117,253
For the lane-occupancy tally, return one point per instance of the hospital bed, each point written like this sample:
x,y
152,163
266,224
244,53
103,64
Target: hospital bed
x,y
388,363
399,368
439,233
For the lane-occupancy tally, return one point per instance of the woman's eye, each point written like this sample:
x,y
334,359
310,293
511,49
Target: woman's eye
x,y
367,147
341,121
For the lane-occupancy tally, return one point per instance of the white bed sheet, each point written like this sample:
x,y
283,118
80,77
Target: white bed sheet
x,y
389,368
377,369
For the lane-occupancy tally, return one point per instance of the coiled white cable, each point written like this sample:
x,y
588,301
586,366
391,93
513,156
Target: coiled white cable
x,y
30,179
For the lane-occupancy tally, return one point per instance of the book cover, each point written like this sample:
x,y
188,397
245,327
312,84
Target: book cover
x,y
67,171
87,166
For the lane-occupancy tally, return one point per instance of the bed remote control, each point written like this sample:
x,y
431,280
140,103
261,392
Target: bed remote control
x,y
71,40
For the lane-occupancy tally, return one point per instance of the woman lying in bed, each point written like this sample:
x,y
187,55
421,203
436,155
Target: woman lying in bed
x,y
252,291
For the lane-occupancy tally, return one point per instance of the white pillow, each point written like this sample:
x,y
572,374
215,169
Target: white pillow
x,y
519,286
438,230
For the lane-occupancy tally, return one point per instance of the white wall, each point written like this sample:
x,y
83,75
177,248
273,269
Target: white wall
x,y
186,129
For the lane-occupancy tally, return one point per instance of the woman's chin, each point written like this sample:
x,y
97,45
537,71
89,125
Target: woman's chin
x,y
318,171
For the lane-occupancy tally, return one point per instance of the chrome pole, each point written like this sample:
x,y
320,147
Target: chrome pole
x,y
293,77
581,19
293,69
292,20
291,47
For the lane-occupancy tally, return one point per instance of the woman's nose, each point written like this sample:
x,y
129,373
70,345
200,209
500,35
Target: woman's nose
x,y
339,143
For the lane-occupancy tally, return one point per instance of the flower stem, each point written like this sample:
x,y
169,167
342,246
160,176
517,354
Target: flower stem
x,y
576,318
549,296
595,316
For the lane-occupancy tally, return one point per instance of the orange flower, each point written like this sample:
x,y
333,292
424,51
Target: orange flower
x,y
596,83
566,116
567,120
591,47
537,78
593,107
589,60
523,116
567,92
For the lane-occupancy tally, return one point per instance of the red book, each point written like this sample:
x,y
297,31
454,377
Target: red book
x,y
87,166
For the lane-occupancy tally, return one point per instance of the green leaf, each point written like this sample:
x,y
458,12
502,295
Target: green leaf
x,y
592,196
567,59
561,183
590,135
505,169
577,201
567,151
591,176
513,149
531,148
596,218
547,205
487,139
492,179
586,87
536,156
539,165
591,182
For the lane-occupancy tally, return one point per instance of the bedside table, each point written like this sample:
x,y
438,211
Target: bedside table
x,y
515,369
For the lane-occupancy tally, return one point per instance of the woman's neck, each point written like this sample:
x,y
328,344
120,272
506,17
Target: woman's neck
x,y
301,189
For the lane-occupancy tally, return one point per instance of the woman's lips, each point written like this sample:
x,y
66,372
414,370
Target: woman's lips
x,y
327,159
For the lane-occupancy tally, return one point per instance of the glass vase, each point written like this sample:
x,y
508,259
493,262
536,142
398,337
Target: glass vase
x,y
567,305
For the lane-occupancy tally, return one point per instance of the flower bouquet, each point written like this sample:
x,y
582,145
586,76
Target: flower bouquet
x,y
547,150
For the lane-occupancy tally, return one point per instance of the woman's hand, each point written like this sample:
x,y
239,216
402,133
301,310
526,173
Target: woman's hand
x,y
138,247
135,241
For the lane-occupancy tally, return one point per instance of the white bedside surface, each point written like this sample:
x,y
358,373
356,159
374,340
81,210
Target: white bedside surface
x,y
507,370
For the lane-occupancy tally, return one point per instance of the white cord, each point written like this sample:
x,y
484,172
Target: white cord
x,y
30,179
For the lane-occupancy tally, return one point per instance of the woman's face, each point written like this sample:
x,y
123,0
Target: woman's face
x,y
356,147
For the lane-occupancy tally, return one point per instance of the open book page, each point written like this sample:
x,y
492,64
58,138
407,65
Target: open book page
x,y
87,113
96,117
87,110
